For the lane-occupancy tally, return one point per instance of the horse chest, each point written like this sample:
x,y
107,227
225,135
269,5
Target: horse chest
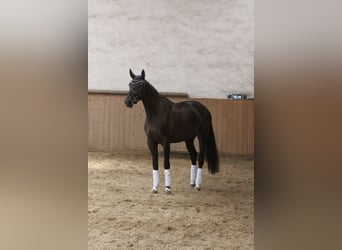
x,y
154,129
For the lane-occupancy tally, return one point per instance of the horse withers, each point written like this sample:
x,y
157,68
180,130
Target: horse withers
x,y
168,122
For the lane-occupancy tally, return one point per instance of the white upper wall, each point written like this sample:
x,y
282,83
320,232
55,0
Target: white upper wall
x,y
202,47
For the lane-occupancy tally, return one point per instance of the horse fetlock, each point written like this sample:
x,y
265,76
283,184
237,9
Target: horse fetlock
x,y
197,188
154,190
167,178
193,175
167,190
155,174
199,177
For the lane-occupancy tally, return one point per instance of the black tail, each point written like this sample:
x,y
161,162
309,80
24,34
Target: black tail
x,y
212,156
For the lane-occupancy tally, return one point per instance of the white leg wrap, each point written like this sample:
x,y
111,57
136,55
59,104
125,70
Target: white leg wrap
x,y
167,178
155,179
199,177
193,173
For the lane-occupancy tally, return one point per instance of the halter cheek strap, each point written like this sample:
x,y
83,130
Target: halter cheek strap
x,y
137,96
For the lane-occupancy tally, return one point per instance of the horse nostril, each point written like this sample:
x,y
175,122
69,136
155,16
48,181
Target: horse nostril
x,y
129,102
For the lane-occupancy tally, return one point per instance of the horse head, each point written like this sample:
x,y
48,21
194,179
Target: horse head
x,y
136,88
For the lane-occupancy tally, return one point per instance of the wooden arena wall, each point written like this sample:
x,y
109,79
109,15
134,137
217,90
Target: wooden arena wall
x,y
114,127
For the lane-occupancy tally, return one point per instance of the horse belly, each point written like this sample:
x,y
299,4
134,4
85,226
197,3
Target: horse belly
x,y
181,135
183,127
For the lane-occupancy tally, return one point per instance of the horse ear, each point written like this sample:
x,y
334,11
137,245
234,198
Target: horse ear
x,y
143,74
131,74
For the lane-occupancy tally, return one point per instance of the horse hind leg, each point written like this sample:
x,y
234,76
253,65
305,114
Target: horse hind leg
x,y
193,155
198,181
167,168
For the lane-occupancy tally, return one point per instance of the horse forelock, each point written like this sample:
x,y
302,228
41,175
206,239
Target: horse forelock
x,y
137,81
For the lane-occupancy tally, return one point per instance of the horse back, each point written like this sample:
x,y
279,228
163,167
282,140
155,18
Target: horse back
x,y
193,109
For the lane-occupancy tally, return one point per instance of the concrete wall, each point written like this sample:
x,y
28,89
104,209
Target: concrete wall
x,y
202,47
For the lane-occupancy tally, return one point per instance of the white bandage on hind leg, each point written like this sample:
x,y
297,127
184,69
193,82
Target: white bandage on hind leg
x,y
167,178
199,177
155,179
193,173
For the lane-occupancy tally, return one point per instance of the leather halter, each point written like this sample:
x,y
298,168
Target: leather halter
x,y
137,96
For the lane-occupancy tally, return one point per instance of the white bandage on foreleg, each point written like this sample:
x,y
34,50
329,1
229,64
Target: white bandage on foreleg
x,y
167,178
155,179
193,173
199,177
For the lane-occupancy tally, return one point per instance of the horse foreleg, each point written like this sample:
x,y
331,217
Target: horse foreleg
x,y
153,146
167,168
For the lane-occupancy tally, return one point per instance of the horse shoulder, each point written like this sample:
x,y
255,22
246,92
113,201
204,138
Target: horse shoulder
x,y
156,125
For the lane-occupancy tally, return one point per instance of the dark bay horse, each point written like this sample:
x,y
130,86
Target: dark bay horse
x,y
168,122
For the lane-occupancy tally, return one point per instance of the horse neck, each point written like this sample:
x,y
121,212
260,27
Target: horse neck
x,y
151,100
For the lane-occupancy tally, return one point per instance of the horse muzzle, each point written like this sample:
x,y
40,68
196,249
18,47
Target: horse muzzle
x,y
129,102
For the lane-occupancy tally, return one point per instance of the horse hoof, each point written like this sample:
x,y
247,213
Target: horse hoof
x,y
154,191
167,191
192,185
197,188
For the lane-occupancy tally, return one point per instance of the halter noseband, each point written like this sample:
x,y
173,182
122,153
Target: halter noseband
x,y
137,96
